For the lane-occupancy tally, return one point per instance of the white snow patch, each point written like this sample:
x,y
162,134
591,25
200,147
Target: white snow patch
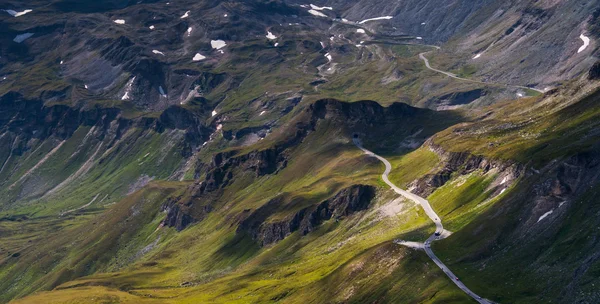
x,y
162,91
189,30
586,43
329,57
225,15
545,215
271,36
219,127
317,13
262,113
423,23
198,57
119,21
520,94
187,14
360,31
158,52
503,190
22,37
18,14
322,44
419,38
504,180
377,18
277,44
345,20
151,27
214,112
128,89
318,8
85,86
476,56
61,62
217,44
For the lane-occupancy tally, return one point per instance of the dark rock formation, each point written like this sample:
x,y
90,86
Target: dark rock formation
x,y
183,211
594,72
460,163
344,203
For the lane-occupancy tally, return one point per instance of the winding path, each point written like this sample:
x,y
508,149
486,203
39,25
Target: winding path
x,y
451,75
439,228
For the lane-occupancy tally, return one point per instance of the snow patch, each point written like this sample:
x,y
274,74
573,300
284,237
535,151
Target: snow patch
x,y
361,31
545,215
61,62
18,14
377,18
198,57
329,57
317,13
22,37
225,15
189,31
476,56
187,14
217,44
214,112
503,190
119,21
158,52
271,36
262,113
318,8
162,91
586,43
128,89
277,44
151,27
419,38
504,180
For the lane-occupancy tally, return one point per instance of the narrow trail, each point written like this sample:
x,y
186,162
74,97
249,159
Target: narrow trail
x,y
440,232
451,75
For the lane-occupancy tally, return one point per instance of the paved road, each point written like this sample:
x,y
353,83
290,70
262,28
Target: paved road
x,y
439,228
422,56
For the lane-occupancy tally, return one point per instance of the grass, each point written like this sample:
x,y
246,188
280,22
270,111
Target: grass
x,y
412,166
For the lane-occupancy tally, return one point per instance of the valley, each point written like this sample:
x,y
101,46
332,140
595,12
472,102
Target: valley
x,y
285,151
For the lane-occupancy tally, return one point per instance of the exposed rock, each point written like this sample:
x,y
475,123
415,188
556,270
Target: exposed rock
x,y
461,163
180,214
344,203
594,72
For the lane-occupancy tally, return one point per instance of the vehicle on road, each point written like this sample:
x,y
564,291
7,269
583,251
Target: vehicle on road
x,y
437,234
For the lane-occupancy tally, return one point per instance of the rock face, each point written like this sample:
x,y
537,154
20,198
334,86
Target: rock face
x,y
461,163
344,203
32,119
594,72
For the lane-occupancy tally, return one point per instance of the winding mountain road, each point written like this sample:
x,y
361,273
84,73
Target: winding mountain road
x,y
451,75
439,228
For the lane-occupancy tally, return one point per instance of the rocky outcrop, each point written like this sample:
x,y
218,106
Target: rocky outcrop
x,y
32,119
461,163
594,72
180,213
344,203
